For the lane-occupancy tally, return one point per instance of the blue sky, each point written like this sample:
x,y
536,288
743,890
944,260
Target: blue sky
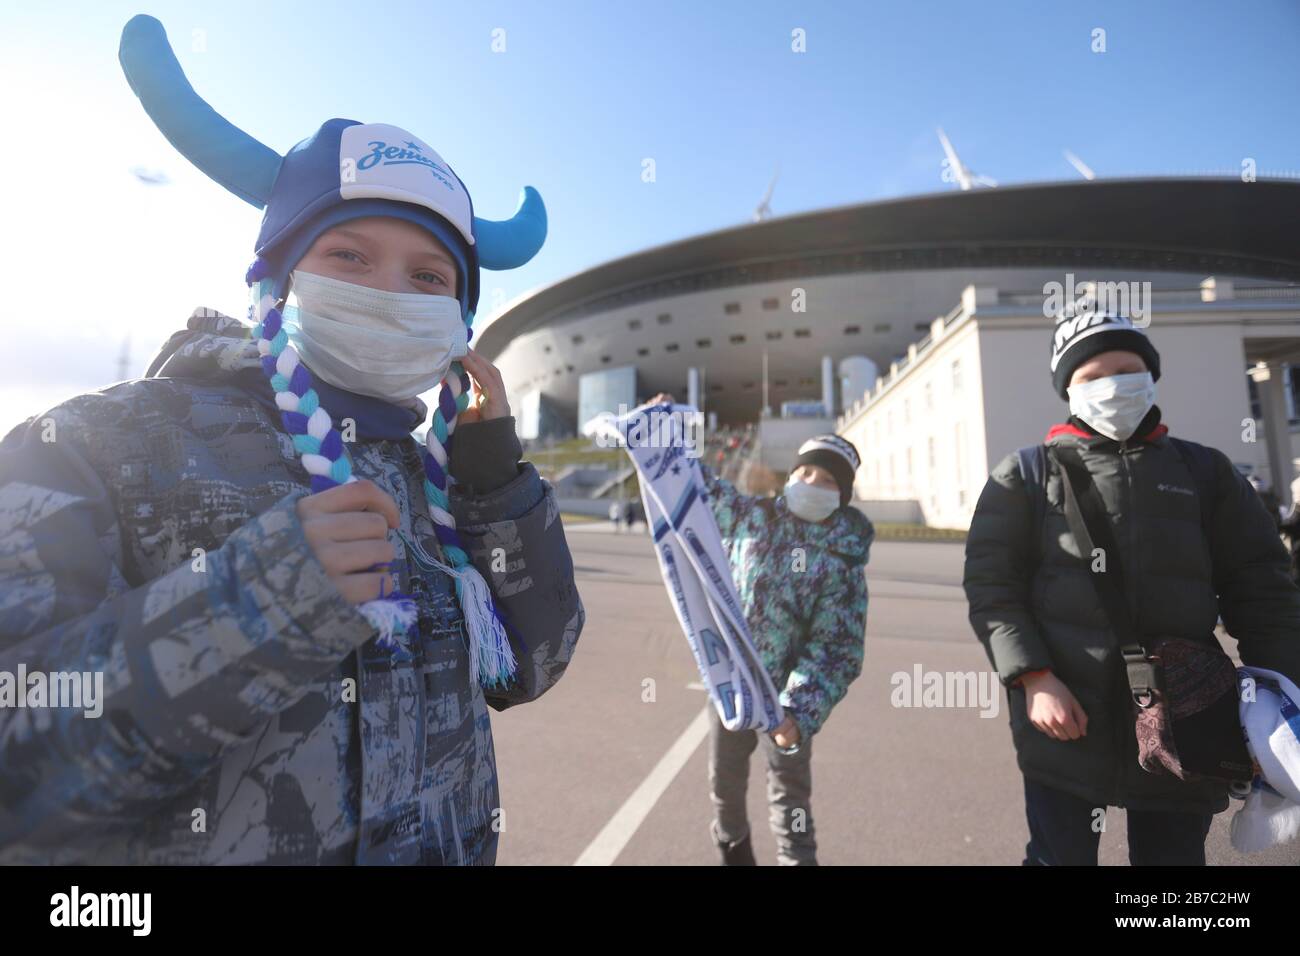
x,y
584,92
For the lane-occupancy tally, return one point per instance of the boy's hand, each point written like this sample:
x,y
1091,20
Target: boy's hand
x,y
1052,708
347,529
487,390
787,735
661,398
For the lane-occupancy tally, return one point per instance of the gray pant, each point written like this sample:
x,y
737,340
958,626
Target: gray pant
x,y
789,791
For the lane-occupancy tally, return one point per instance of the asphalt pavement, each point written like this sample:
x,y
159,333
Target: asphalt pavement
x,y
609,767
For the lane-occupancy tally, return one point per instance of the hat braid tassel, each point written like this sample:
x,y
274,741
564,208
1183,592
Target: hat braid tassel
x,y
492,660
317,441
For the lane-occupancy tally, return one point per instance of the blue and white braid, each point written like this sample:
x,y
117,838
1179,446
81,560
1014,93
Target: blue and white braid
x,y
324,456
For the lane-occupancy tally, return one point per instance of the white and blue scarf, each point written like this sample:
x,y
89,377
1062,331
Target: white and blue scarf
x,y
1270,720
694,563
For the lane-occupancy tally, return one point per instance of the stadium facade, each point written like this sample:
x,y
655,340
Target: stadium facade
x,y
806,308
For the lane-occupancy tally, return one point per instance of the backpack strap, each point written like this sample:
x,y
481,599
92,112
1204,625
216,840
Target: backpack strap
x,y
1033,472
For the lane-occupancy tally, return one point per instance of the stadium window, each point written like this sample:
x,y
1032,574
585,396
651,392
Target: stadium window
x,y
559,371
604,360
731,308
671,347
568,368
737,340
772,336
805,382
956,375
703,343
884,327
929,397
664,318
909,463
1256,406
546,349
802,333
642,352
907,417
634,324
930,452
780,383
852,329
577,340
771,305
747,385
715,388
922,326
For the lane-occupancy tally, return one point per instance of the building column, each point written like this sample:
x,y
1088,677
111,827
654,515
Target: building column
x,y
1270,384
693,387
828,385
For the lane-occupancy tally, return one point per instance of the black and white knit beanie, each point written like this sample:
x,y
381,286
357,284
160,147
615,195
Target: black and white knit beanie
x,y
1078,337
837,455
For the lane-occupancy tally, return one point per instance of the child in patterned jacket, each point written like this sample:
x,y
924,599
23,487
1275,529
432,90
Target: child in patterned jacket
x,y
798,564
299,616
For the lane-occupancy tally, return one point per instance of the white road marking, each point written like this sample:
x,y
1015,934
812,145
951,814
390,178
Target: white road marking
x,y
610,841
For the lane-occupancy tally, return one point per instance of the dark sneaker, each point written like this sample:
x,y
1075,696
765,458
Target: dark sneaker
x,y
739,853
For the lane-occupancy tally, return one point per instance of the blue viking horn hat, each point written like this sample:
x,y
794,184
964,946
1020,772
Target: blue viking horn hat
x,y
344,170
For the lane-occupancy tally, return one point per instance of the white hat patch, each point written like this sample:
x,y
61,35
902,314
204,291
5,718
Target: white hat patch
x,y
378,161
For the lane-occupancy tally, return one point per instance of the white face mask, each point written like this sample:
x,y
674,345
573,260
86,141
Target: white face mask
x,y
390,345
809,501
1114,405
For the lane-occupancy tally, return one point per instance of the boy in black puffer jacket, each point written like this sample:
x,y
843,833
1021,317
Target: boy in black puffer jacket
x,y
1035,609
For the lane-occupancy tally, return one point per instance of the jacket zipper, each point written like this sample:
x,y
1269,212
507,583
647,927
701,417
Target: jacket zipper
x,y
1126,507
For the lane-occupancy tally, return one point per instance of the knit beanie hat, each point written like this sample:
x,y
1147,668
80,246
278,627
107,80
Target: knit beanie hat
x,y
347,170
1080,336
837,455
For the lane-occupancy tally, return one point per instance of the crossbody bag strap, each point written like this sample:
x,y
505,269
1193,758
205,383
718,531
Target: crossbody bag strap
x,y
1086,516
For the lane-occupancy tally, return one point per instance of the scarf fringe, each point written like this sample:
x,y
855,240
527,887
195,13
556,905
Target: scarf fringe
x,y
491,658
392,617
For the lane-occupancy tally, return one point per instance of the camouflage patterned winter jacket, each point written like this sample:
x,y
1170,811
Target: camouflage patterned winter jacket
x,y
148,531
804,593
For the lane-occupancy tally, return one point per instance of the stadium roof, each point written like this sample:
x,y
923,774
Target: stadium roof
x,y
1211,226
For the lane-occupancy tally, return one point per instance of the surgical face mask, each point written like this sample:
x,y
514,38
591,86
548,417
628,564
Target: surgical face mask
x,y
389,345
809,501
1114,405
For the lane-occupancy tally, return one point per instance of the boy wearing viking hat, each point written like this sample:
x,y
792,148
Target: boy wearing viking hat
x,y
300,635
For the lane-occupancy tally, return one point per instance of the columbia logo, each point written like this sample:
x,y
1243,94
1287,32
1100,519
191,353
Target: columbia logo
x,y
1175,489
